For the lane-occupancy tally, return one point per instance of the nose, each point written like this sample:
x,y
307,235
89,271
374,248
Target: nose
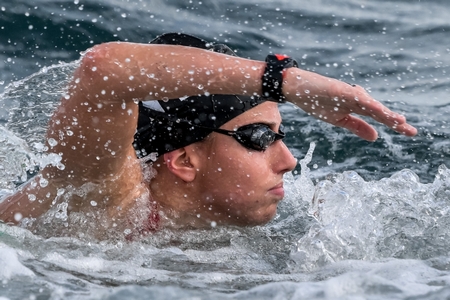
x,y
283,160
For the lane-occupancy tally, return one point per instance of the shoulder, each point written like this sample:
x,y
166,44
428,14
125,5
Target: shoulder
x,y
47,191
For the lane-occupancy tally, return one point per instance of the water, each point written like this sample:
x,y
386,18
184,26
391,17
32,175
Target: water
x,y
360,220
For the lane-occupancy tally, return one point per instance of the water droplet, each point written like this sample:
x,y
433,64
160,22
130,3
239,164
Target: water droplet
x,y
43,182
213,224
93,203
31,197
18,216
52,142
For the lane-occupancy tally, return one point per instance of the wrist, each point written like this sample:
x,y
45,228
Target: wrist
x,y
274,75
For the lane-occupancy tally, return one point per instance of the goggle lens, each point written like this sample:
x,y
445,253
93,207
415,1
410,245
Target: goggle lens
x,y
254,136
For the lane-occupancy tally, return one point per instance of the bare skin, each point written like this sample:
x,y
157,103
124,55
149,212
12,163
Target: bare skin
x,y
96,121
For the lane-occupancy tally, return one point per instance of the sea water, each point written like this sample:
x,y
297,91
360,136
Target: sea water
x,y
360,220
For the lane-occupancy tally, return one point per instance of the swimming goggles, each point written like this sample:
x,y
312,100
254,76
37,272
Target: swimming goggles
x,y
253,136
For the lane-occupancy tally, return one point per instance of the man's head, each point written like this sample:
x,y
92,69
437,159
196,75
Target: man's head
x,y
220,180
221,157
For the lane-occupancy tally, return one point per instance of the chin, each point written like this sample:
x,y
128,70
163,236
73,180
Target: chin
x,y
262,219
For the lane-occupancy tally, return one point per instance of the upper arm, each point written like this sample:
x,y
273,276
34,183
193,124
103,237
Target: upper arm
x,y
93,127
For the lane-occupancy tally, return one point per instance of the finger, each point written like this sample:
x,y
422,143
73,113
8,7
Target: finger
x,y
359,127
395,121
386,116
367,132
367,106
405,129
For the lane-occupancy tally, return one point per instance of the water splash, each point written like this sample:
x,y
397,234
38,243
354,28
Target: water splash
x,y
394,217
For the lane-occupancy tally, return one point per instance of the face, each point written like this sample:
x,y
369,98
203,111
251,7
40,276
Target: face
x,y
241,186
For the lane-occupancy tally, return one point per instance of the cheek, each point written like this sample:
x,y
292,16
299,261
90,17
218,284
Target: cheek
x,y
236,170
242,171
246,180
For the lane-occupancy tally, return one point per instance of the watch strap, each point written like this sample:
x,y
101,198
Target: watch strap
x,y
272,79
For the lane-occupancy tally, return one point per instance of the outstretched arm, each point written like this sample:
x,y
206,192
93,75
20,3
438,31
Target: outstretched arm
x,y
138,71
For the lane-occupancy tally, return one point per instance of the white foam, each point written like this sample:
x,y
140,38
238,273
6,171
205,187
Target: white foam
x,y
11,265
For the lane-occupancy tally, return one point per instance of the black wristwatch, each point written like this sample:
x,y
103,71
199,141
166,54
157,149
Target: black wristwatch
x,y
272,79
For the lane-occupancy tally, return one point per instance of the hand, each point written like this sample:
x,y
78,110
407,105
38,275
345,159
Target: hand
x,y
334,102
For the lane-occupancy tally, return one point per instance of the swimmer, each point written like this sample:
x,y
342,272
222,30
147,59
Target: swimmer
x,y
180,132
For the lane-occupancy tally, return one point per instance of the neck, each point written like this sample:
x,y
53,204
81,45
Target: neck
x,y
178,201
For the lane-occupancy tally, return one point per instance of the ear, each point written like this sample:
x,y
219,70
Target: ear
x,y
182,163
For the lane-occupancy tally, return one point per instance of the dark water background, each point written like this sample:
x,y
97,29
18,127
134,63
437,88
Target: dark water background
x,y
399,50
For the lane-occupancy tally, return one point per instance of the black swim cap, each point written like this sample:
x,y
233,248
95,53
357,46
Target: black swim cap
x,y
164,126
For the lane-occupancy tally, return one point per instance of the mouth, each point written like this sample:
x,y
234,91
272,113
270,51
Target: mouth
x,y
277,190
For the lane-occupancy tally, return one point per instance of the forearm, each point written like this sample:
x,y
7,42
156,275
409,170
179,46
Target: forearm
x,y
139,71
